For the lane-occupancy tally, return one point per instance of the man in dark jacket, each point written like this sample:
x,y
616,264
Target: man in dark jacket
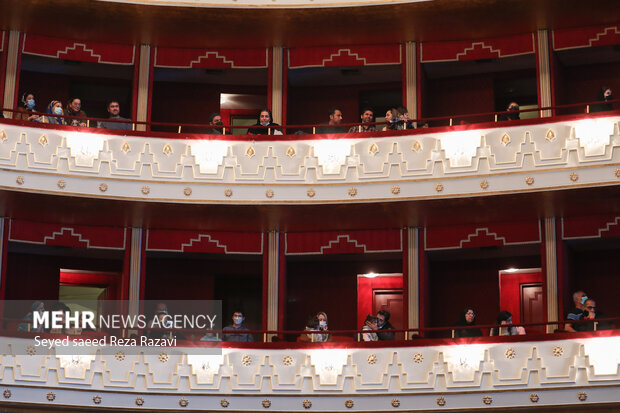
x,y
383,323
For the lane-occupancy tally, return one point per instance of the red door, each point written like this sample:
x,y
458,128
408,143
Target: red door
x,y
392,301
521,293
532,305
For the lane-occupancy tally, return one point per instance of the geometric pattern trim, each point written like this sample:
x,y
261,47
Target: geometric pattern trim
x,y
205,242
476,50
77,236
342,242
591,227
472,236
211,58
586,37
390,54
465,376
84,51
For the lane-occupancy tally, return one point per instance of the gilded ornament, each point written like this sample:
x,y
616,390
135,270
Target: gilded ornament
x,y
582,396
250,152
550,136
125,147
266,403
103,187
183,402
441,401
373,149
352,191
307,404
418,357
61,184
510,353
31,350
617,172
246,360
396,189
439,187
3,136
269,193
505,139
228,192
139,401
311,193
417,146
119,355
287,360
51,396
163,357
290,151
187,191
145,190
97,399
349,403
372,359
557,351
167,149
534,398
484,184
224,403
19,180
574,177
7,394
43,140
395,402
529,180
487,400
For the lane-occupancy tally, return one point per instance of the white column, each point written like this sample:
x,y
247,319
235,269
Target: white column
x,y
11,72
411,79
273,246
544,71
276,84
135,266
551,273
144,70
413,277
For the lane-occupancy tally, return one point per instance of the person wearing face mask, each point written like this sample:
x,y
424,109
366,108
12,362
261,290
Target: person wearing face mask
x,y
592,314
265,119
215,120
26,112
576,314
233,332
322,317
383,323
604,95
468,318
513,112
54,108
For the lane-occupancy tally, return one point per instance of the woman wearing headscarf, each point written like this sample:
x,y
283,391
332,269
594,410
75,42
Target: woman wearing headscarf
x,y
265,119
54,110
468,319
505,327
26,111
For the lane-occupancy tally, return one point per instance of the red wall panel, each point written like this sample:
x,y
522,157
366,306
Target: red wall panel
x,y
471,236
477,49
345,56
343,242
79,50
510,291
365,287
586,37
211,58
205,241
591,227
79,236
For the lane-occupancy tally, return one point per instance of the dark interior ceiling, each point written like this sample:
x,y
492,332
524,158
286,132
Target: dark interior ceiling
x,y
252,27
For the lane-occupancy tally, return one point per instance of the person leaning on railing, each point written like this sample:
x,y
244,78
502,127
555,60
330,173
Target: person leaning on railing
x,y
74,108
26,111
265,119
114,109
367,116
54,108
505,327
468,319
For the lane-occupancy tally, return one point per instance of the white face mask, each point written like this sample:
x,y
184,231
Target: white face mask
x,y
167,323
322,323
237,320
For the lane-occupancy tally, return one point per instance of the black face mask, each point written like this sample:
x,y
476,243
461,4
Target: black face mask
x,y
218,123
610,97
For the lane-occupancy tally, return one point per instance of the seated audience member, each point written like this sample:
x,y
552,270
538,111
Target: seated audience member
x,y
367,116
468,318
333,126
209,336
513,108
26,112
265,119
74,108
393,120
369,328
215,120
604,95
576,314
114,109
311,325
591,313
233,332
322,317
504,321
403,115
26,325
383,323
54,108
161,327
